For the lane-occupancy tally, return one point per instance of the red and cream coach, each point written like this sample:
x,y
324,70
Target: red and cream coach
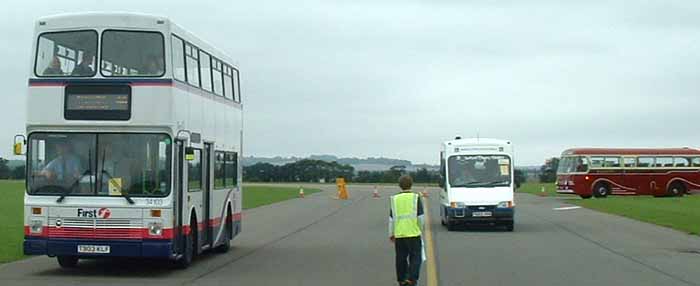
x,y
601,172
133,141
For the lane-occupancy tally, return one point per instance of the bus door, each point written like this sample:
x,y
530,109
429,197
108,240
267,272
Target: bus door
x,y
207,162
179,190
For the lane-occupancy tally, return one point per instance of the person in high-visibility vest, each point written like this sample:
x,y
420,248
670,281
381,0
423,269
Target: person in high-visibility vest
x,y
405,229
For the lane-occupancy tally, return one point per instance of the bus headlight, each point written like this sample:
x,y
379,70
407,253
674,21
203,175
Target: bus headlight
x,y
36,226
457,205
155,229
505,204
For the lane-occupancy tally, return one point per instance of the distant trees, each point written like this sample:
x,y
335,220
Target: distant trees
x,y
519,177
7,172
300,171
548,171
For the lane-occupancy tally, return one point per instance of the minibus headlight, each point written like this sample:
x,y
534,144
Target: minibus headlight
x,y
155,229
457,205
505,204
36,226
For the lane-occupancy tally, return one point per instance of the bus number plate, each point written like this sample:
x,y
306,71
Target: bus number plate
x,y
481,214
101,249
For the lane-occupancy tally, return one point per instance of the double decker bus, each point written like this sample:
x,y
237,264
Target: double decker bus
x,y
477,182
133,141
601,172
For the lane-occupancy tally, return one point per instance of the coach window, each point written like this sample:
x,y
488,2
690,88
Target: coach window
x,y
681,162
194,172
178,55
612,162
664,162
205,70
597,162
630,162
228,83
236,86
217,77
192,64
645,162
695,161
231,169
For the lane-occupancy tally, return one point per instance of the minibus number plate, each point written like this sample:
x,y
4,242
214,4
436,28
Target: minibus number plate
x,y
481,214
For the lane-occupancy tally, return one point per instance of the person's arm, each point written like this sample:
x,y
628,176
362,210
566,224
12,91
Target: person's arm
x,y
421,215
391,225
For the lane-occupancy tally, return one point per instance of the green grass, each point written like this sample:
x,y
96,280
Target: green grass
x,y
255,196
678,213
536,189
11,220
11,211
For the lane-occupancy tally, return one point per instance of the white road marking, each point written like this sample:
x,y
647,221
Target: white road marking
x,y
566,208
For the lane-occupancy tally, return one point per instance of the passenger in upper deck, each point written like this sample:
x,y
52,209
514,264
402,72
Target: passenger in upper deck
x,y
153,66
54,68
84,69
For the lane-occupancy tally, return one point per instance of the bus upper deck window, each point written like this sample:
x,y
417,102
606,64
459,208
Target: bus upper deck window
x,y
132,54
66,54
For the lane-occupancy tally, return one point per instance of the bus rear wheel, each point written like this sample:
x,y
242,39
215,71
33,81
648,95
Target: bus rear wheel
x,y
676,189
601,190
67,261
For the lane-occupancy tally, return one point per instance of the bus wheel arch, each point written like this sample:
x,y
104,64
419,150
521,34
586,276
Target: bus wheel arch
x,y
676,188
601,189
228,231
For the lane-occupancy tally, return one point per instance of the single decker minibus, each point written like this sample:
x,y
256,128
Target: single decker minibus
x,y
477,182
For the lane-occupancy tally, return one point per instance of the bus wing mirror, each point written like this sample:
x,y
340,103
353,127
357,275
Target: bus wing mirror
x,y
18,148
189,154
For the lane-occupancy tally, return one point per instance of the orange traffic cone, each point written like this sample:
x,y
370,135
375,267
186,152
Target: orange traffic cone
x,y
301,192
375,194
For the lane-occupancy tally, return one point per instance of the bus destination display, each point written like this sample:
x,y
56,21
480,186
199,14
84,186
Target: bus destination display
x,y
101,102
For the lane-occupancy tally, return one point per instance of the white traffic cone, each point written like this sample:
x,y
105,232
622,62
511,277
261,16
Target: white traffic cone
x,y
375,194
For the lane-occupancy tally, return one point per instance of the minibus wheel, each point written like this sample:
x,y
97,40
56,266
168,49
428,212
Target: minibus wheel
x,y
67,261
510,226
601,190
676,189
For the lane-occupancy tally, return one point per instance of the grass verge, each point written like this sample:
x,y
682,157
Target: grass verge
x,y
680,213
11,211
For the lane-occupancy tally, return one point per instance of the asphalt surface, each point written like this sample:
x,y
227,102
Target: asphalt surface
x,y
322,241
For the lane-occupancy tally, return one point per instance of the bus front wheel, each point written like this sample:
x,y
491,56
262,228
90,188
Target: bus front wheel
x,y
676,189
601,190
67,261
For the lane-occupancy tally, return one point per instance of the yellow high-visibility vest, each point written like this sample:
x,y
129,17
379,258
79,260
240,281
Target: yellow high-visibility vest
x,y
404,209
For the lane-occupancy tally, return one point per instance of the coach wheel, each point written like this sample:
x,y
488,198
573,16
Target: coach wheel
x,y
67,261
601,190
450,224
676,189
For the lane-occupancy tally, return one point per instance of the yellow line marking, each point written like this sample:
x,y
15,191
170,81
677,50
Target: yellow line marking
x,y
429,250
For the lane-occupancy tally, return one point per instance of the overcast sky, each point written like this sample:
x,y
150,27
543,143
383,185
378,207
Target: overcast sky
x,y
395,78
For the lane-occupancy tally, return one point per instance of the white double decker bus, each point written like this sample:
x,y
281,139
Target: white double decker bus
x,y
477,182
133,140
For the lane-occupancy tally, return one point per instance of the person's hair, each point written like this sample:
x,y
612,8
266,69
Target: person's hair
x,y
405,182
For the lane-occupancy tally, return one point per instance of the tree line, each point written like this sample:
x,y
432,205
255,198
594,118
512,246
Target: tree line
x,y
11,173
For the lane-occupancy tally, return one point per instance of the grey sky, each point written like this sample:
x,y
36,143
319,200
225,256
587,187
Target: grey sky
x,y
361,78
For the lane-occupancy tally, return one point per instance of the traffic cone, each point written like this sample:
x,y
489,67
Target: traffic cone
x,y
425,192
301,192
375,194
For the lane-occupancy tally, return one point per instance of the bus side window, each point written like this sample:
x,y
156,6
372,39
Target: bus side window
x,y
629,162
194,172
597,162
696,161
645,162
219,168
681,162
231,169
192,64
664,162
612,162
178,58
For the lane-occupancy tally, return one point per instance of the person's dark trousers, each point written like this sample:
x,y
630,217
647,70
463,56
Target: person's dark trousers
x,y
408,258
